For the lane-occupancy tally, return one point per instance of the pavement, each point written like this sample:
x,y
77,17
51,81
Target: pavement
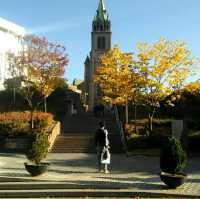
x,y
135,173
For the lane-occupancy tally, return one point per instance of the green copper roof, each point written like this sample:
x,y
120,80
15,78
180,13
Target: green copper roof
x,y
101,6
101,12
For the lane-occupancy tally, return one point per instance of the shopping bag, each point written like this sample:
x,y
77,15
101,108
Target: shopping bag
x,y
105,156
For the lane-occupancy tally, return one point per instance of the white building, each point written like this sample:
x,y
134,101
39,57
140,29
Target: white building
x,y
9,41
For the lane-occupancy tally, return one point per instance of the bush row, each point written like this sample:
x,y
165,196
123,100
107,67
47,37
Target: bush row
x,y
14,123
144,142
157,140
194,140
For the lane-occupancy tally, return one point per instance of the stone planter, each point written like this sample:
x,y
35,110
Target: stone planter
x,y
36,170
173,180
17,143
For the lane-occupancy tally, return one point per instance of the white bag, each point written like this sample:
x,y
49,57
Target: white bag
x,y
105,156
106,137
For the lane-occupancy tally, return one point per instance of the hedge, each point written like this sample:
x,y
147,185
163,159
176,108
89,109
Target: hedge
x,y
14,123
194,140
145,142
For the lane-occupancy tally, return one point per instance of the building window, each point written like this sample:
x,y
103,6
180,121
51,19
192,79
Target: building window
x,y
101,43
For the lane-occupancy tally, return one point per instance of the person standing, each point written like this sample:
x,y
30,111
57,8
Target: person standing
x,y
102,147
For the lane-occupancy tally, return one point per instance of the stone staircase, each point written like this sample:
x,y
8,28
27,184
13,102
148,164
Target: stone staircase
x,y
60,190
74,143
78,134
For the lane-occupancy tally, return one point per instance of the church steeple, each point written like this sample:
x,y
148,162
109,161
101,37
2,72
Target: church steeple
x,y
101,43
101,20
101,5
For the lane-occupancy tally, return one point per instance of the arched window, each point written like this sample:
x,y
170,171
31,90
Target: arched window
x,y
101,43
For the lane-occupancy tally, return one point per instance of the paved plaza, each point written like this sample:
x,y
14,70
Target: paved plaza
x,y
136,173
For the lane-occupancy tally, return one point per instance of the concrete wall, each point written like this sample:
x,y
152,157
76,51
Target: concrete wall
x,y
21,144
9,40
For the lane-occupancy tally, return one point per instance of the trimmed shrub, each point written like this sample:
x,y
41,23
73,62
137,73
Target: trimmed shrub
x,y
173,158
39,148
136,142
15,123
162,122
194,140
145,142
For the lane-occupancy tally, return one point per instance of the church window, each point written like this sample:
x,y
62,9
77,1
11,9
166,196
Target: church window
x,y
101,43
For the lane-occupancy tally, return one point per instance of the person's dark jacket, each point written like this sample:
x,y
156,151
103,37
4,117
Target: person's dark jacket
x,y
100,138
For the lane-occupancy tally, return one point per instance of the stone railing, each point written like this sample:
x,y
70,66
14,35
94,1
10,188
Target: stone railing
x,y
53,134
20,144
120,128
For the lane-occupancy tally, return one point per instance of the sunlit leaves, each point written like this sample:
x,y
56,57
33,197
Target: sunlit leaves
x,y
193,88
114,76
156,71
40,62
165,66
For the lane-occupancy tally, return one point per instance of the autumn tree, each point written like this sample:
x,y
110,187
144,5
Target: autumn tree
x,y
165,67
192,87
41,62
115,78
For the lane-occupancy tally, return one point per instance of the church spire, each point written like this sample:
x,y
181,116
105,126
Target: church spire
x,y
101,20
101,8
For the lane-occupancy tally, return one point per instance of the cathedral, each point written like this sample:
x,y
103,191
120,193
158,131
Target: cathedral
x,y
100,43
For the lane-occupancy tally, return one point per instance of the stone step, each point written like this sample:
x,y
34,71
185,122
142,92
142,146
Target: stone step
x,y
82,150
86,193
88,129
78,134
80,143
85,142
82,136
74,151
53,185
84,122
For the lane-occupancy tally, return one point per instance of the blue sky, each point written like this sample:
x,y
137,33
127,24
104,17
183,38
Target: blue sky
x,y
69,23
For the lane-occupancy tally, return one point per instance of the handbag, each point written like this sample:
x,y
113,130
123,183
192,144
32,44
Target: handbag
x,y
107,143
105,156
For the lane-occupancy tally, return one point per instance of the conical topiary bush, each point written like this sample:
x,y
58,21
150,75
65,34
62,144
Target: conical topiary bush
x,y
173,158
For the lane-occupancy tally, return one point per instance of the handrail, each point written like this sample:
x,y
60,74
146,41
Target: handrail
x,y
121,131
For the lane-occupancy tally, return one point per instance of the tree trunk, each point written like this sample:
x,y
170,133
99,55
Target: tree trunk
x,y
135,116
151,115
14,96
126,113
45,104
150,123
32,119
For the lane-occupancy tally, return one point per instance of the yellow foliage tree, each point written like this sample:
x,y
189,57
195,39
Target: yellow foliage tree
x,y
165,66
193,87
114,77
